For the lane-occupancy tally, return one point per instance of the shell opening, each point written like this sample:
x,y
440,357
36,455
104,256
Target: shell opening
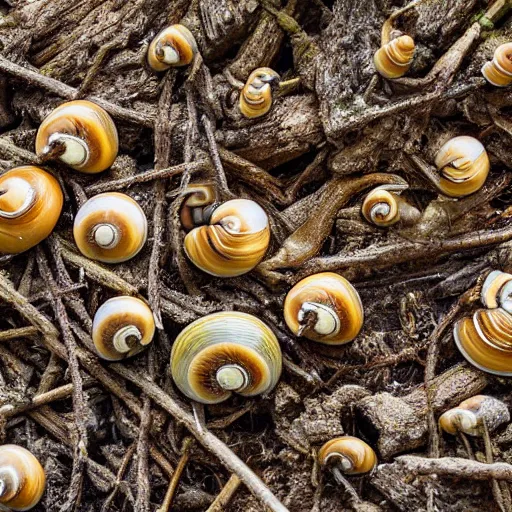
x,y
169,54
231,224
30,199
379,212
9,483
326,321
232,377
75,152
126,338
106,236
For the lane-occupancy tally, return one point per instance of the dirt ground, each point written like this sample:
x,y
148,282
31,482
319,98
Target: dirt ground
x,y
120,436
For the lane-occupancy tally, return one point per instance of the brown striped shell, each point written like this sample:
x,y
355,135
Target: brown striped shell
x,y
351,455
497,291
394,59
173,46
498,71
256,95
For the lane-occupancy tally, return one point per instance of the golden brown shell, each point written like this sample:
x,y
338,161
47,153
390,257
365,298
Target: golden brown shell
x,y
81,135
22,478
256,96
224,353
324,307
350,454
394,59
30,206
122,327
199,196
497,291
498,72
173,46
464,166
470,415
110,227
233,243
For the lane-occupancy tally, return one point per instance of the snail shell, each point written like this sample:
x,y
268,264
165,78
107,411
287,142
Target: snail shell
x,y
110,227
80,134
384,208
324,307
352,455
233,243
122,327
193,211
485,340
497,291
30,206
498,72
256,95
464,166
394,59
22,478
224,353
470,415
174,46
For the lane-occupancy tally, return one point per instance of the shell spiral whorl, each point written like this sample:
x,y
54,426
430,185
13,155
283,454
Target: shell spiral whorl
x,y
498,71
256,95
394,59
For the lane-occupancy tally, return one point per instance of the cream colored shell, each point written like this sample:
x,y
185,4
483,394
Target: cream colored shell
x,y
256,96
110,227
332,304
224,353
394,59
464,166
350,454
498,72
173,46
80,134
497,291
22,478
30,206
122,327
233,243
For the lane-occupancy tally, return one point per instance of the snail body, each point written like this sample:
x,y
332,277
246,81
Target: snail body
x,y
256,95
122,327
234,241
383,207
350,454
172,47
464,166
497,291
110,227
498,71
22,478
470,415
324,307
81,135
393,59
30,206
224,353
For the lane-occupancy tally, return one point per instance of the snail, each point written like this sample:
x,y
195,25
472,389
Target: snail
x,y
234,241
498,71
497,291
22,478
224,353
256,95
464,166
174,46
30,206
347,454
324,307
122,327
384,207
110,227
193,211
81,135
485,340
470,415
394,58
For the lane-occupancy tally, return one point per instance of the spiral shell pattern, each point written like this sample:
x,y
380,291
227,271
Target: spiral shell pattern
x,y
174,46
351,454
223,353
497,291
498,72
464,166
394,59
334,305
256,96
233,243
80,134
110,227
30,205
384,208
22,478
192,212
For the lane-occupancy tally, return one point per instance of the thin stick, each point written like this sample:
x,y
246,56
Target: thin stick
x,y
496,490
224,497
14,334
